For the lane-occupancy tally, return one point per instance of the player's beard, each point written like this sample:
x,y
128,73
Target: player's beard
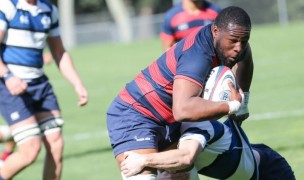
x,y
220,55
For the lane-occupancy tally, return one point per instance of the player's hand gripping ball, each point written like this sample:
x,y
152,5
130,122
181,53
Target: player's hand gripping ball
x,y
216,87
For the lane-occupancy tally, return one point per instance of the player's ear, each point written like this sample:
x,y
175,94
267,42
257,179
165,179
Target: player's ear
x,y
214,30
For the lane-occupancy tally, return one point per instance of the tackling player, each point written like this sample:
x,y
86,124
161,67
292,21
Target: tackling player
x,y
217,150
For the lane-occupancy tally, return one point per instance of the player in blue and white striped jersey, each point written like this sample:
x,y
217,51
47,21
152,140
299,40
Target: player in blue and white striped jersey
x,y
217,149
219,144
28,103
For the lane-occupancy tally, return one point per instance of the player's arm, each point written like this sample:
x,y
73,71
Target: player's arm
x,y
244,70
166,34
167,44
3,68
172,160
167,40
244,73
66,66
189,106
15,85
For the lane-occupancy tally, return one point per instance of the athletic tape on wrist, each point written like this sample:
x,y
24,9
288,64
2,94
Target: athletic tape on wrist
x,y
244,108
246,98
234,106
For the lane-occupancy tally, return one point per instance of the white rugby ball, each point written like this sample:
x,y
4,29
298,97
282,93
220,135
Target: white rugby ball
x,y
216,87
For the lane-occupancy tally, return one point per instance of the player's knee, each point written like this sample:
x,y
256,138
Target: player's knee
x,y
139,177
28,140
30,150
32,153
51,130
54,147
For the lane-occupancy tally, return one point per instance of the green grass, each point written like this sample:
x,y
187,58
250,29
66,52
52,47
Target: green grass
x,y
277,87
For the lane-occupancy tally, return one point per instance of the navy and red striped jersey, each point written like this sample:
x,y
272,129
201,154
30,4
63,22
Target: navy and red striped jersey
x,y
151,90
178,23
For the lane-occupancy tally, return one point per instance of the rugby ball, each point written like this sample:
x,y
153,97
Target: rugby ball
x,y
216,87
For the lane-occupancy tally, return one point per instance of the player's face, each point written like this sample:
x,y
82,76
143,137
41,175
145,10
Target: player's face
x,y
230,43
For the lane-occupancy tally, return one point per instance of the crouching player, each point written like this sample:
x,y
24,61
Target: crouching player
x,y
218,150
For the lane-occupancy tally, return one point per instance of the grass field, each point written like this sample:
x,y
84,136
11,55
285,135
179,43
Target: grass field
x,y
276,103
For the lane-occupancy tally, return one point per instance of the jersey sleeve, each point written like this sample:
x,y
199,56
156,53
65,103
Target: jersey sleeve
x,y
197,137
199,131
54,31
7,12
3,22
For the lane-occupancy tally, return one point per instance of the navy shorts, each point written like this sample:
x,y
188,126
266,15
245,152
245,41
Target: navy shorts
x,y
130,130
39,97
272,165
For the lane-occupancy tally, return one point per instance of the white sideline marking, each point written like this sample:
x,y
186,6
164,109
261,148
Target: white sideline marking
x,y
254,117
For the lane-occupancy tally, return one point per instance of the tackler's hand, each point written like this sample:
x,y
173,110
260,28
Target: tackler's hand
x,y
132,164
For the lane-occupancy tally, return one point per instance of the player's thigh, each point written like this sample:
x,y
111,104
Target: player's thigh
x,y
47,112
45,99
129,130
18,112
15,110
40,116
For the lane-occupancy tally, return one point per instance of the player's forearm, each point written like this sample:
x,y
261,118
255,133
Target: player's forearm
x,y
3,68
68,70
188,105
198,109
244,71
170,160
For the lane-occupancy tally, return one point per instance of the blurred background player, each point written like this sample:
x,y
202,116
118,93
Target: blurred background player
x,y
185,17
8,142
5,134
28,103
